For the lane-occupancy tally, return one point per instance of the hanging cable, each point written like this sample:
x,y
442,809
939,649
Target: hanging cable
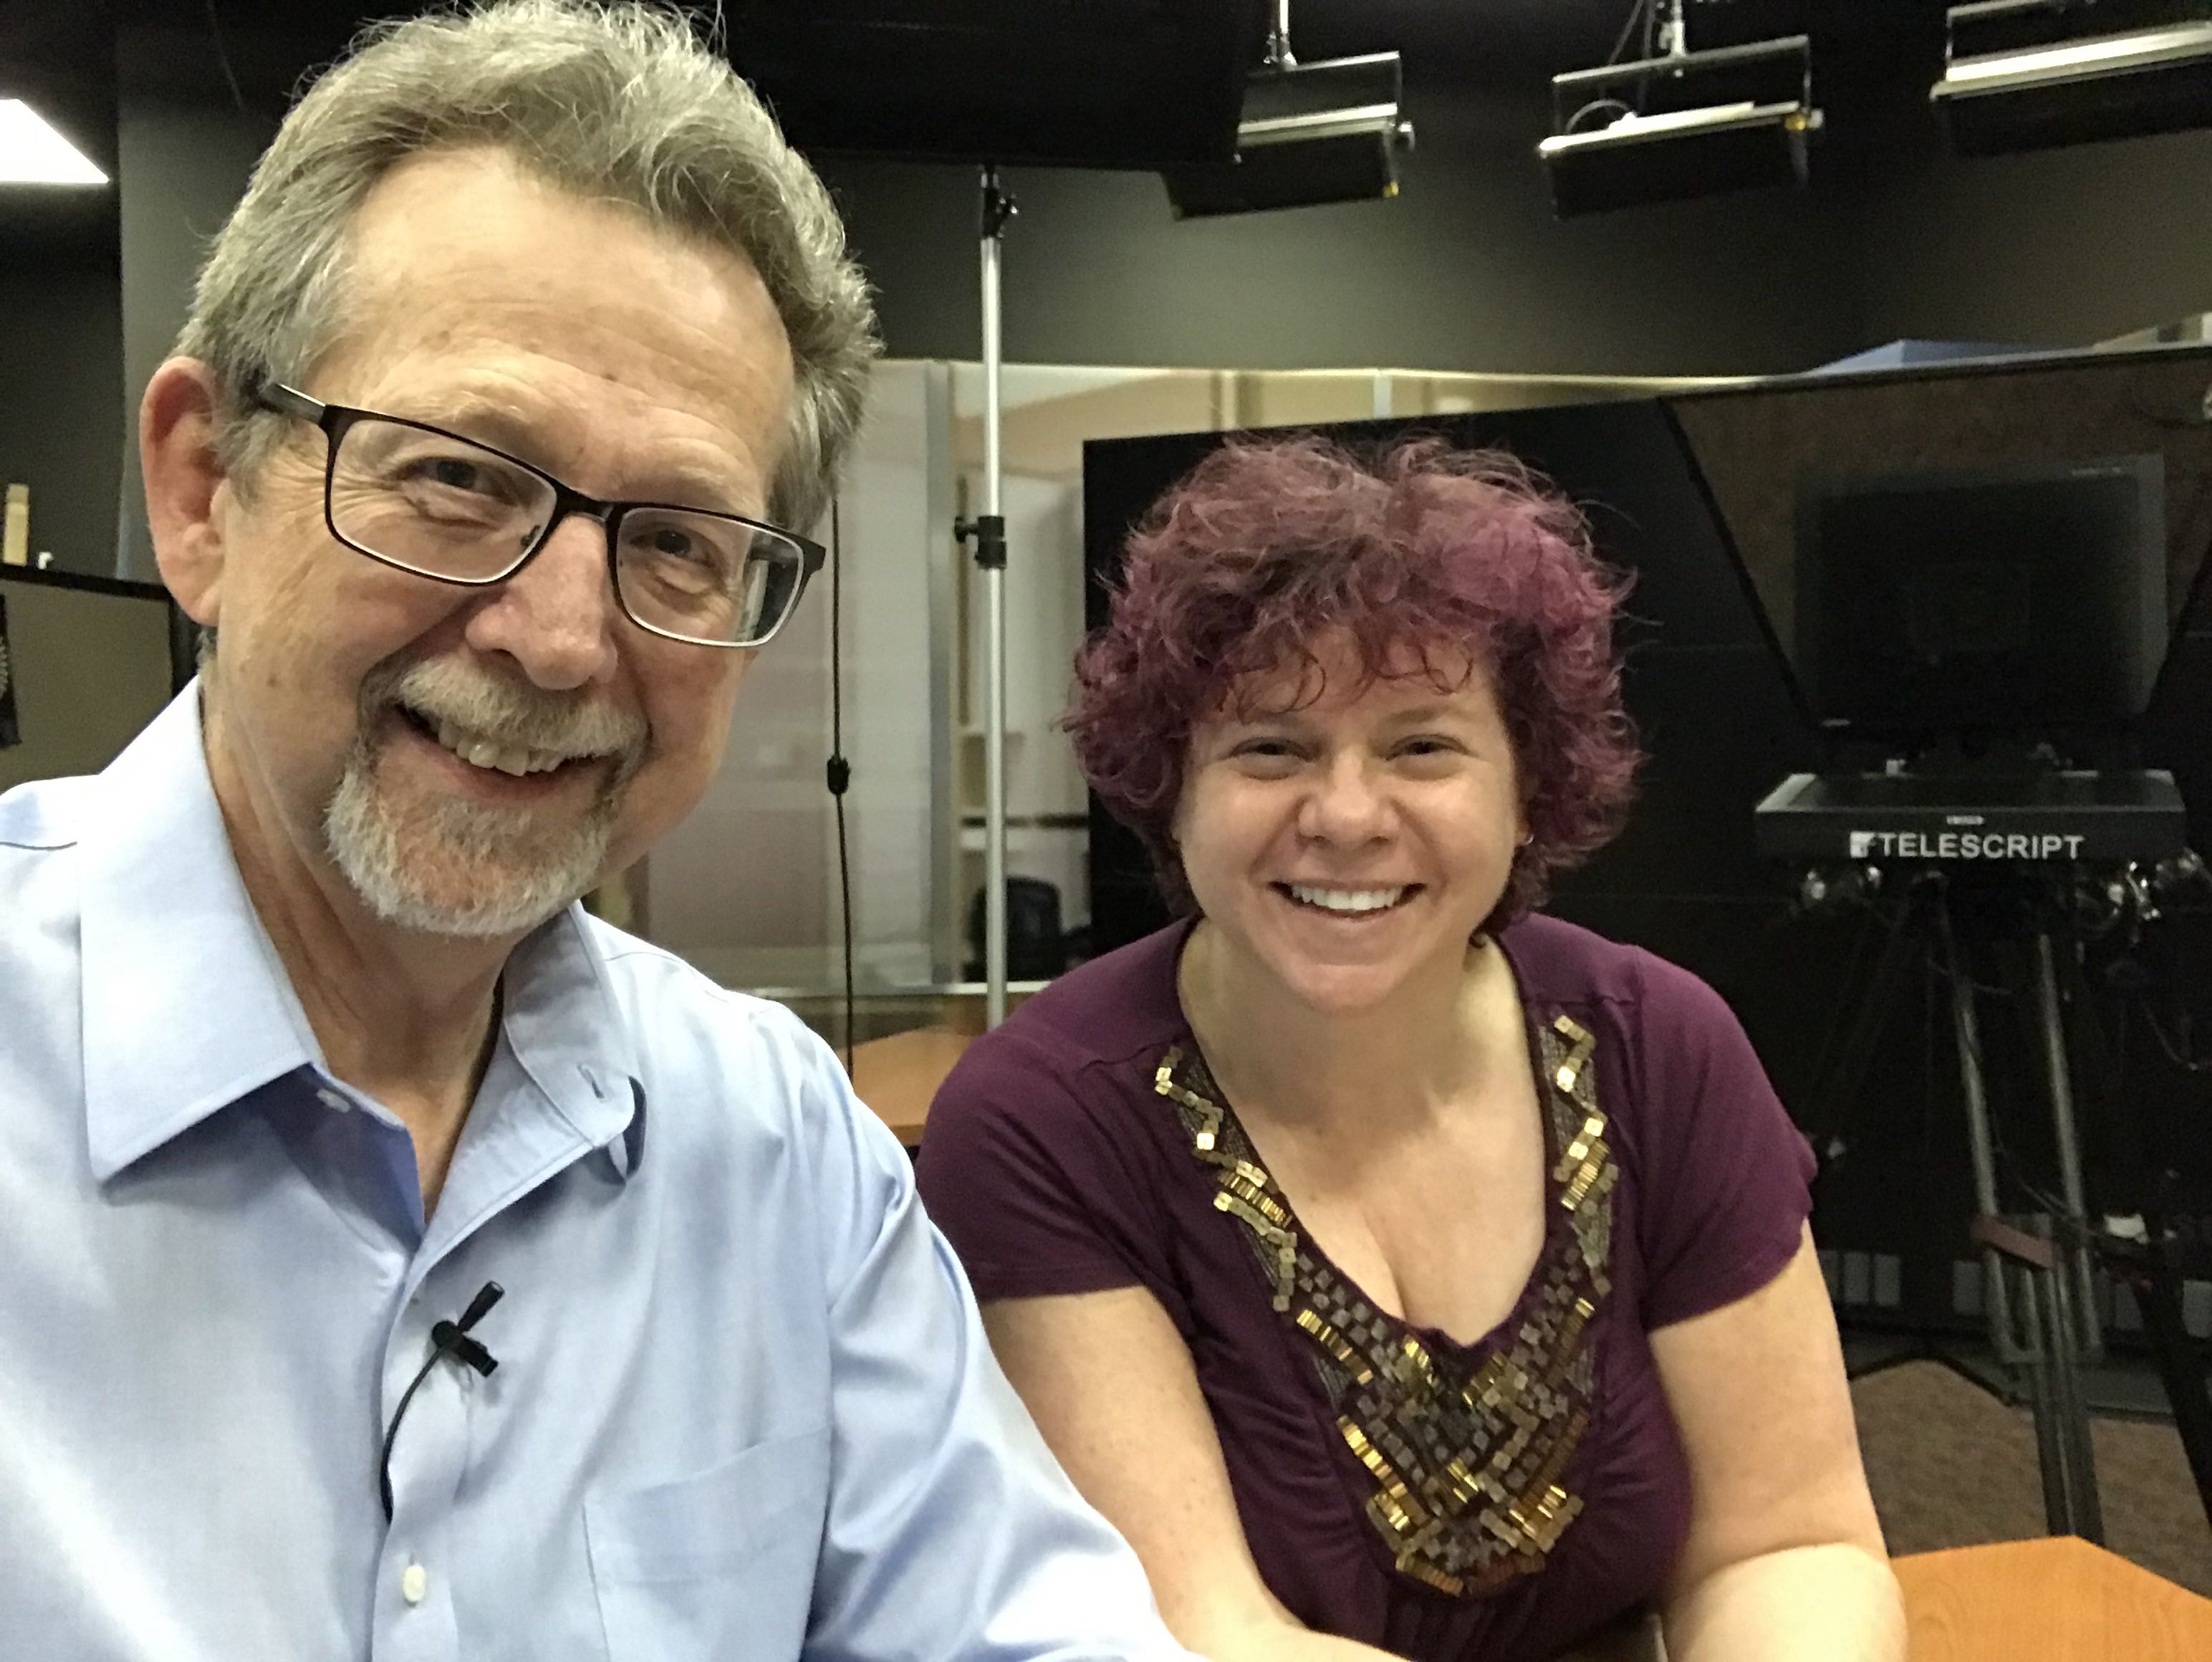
x,y
1641,12
223,57
841,770
1636,14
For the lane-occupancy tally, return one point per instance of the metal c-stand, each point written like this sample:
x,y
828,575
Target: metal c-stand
x,y
988,531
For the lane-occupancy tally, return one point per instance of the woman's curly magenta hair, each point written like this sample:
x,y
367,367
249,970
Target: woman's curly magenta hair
x,y
1452,555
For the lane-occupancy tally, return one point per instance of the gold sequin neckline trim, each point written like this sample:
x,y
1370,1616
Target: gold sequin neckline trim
x,y
1466,1462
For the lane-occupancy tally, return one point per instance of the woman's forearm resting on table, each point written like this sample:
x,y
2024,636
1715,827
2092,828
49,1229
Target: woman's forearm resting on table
x,y
1837,1603
1270,1640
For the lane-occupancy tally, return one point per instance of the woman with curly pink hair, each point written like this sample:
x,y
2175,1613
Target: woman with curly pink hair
x,y
1402,1270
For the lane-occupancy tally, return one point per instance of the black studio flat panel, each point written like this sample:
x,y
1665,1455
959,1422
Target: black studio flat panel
x,y
1719,731
1123,478
1627,465
1136,84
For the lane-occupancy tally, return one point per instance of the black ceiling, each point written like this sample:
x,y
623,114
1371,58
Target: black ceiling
x,y
1868,54
1871,57
56,55
271,42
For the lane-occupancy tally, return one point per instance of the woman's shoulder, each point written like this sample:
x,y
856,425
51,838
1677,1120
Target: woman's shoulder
x,y
1661,1022
1716,1173
1565,963
1074,1051
1119,1008
1038,1159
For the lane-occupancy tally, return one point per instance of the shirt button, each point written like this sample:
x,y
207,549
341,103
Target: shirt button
x,y
414,1582
331,1099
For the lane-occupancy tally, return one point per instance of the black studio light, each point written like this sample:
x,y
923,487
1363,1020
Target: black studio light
x,y
2026,75
1330,131
1681,124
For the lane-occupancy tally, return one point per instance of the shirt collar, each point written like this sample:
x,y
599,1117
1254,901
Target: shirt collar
x,y
567,1030
187,1007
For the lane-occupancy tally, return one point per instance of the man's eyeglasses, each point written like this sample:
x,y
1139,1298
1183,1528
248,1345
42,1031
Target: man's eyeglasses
x,y
442,506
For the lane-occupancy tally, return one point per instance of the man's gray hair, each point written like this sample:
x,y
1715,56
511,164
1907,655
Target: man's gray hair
x,y
620,103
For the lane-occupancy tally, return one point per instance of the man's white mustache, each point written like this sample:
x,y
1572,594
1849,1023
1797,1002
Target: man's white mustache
x,y
506,712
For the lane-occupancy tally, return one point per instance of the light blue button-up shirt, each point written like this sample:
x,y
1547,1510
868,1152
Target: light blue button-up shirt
x,y
743,1406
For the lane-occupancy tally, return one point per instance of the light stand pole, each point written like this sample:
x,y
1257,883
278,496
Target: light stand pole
x,y
988,529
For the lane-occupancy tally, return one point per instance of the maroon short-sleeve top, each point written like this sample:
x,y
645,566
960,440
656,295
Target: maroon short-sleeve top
x,y
1496,1501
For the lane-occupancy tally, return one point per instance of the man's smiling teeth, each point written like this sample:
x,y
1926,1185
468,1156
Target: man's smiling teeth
x,y
1347,900
507,758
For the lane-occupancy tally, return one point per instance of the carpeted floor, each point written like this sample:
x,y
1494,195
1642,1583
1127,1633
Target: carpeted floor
x,y
1951,1466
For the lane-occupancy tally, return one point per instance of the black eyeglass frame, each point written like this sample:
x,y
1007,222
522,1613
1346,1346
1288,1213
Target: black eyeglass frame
x,y
335,419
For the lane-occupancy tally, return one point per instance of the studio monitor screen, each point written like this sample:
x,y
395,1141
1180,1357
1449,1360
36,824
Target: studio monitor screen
x,y
89,661
2028,603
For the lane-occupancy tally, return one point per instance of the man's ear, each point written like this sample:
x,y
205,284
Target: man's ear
x,y
177,455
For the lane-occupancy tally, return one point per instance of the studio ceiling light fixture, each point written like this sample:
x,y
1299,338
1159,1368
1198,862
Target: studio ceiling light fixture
x,y
1679,123
33,152
2016,78
1329,131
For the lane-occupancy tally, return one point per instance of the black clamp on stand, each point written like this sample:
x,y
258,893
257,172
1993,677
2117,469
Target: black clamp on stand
x,y
988,532
999,209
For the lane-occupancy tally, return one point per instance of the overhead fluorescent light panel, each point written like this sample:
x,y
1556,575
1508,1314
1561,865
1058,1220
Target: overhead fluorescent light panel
x,y
1688,124
33,152
1330,131
2043,86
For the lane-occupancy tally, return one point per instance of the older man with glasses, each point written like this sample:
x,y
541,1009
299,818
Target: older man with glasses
x,y
394,1260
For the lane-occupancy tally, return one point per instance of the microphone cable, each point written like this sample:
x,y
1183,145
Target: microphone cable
x,y
446,1339
840,769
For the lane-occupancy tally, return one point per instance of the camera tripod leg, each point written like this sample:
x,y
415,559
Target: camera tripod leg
x,y
2062,1342
1844,1084
2182,1365
1966,1031
2050,1443
2035,1267
2075,1261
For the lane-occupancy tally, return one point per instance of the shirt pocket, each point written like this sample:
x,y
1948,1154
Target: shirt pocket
x,y
717,1565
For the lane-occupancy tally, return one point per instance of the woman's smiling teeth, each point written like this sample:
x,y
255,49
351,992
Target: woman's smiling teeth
x,y
507,758
1347,900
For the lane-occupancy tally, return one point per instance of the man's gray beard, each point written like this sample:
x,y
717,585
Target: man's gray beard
x,y
366,842
515,876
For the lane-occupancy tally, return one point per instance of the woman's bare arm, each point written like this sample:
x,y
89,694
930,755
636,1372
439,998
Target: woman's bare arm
x,y
1109,1382
1784,1561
